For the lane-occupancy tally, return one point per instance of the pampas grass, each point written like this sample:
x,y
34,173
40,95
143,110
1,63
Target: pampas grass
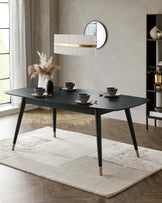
x,y
44,68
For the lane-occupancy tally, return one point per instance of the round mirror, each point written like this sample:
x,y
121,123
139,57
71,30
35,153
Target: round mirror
x,y
96,28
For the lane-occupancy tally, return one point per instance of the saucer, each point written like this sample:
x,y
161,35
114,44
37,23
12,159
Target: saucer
x,y
108,95
36,95
68,90
80,102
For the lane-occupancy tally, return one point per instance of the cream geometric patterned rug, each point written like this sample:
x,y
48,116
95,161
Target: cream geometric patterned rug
x,y
71,159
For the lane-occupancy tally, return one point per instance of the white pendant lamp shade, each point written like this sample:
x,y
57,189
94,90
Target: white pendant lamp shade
x,y
78,45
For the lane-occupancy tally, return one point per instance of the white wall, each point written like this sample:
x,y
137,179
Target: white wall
x,y
44,25
122,61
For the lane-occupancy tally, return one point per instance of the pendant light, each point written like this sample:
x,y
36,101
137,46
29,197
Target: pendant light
x,y
78,45
75,44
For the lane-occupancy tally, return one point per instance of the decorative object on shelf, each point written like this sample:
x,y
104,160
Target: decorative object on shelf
x,y
158,109
158,81
160,35
159,69
77,45
44,70
151,69
158,88
160,63
50,87
154,32
96,28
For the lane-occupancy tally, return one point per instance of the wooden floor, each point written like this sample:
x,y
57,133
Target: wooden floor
x,y
20,187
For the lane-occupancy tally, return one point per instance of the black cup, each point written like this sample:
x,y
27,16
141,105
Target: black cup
x,y
112,91
69,85
84,97
39,90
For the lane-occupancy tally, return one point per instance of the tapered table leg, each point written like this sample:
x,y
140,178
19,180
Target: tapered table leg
x,y
155,122
146,123
130,123
23,103
54,122
99,140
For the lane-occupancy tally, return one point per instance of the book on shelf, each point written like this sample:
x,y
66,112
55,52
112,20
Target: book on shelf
x,y
154,113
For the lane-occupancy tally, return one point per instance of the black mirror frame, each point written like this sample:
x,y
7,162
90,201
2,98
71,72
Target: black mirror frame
x,y
103,27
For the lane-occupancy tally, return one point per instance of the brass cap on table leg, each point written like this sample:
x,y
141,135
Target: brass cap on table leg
x,y
137,153
100,170
54,134
13,147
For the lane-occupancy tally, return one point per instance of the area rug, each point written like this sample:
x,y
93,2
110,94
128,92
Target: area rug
x,y
71,159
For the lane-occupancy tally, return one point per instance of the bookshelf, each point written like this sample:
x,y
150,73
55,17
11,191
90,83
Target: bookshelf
x,y
153,76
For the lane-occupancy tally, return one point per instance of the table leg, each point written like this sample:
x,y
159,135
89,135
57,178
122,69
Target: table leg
x,y
130,123
23,103
99,140
54,122
146,123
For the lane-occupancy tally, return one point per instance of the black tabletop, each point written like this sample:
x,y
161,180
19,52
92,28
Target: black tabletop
x,y
63,97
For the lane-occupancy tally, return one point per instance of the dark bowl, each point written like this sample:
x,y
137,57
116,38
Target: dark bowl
x,y
69,85
84,97
112,90
39,90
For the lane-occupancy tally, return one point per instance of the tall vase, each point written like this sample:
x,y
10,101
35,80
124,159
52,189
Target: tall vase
x,y
42,81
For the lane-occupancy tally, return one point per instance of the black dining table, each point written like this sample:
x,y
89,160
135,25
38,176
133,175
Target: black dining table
x,y
67,100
